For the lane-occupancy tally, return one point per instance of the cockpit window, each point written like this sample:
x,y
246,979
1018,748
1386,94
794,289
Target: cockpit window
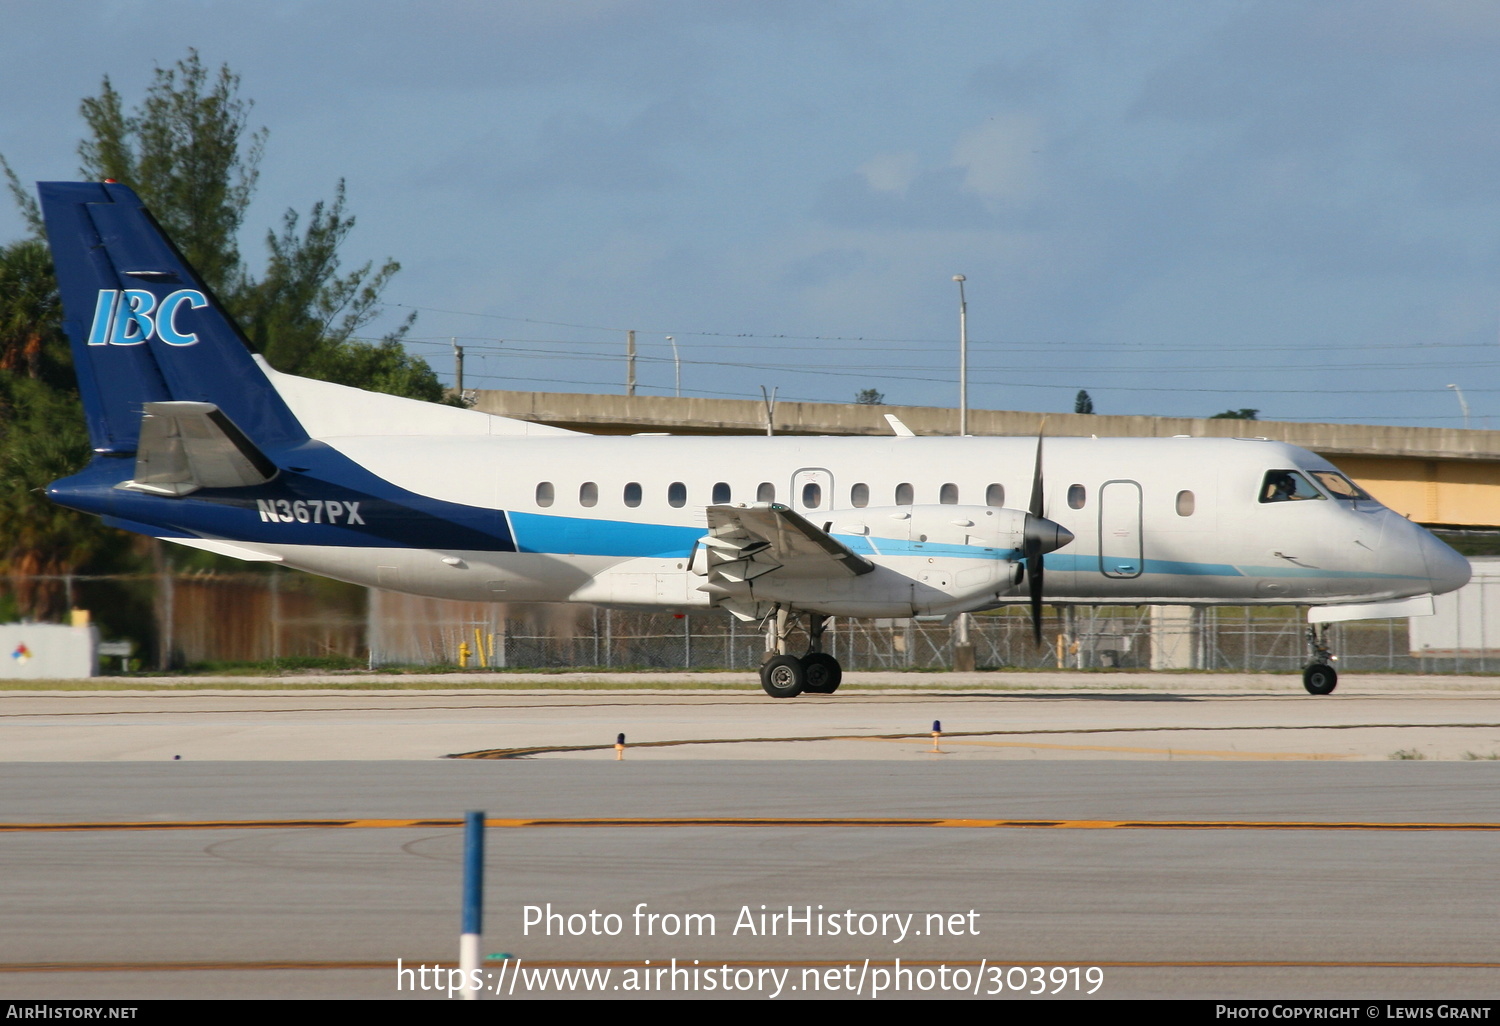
x,y
1287,486
1339,486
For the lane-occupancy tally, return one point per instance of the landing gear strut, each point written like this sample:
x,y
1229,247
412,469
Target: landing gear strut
x,y
783,675
1319,677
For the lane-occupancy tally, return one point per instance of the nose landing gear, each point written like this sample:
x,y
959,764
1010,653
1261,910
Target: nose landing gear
x,y
1319,677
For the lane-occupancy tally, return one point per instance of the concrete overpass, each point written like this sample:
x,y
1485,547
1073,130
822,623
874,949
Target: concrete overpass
x,y
1438,476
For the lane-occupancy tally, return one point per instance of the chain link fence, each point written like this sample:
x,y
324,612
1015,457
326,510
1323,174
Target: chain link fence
x,y
281,616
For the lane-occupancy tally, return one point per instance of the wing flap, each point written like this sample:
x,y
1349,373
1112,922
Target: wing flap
x,y
746,542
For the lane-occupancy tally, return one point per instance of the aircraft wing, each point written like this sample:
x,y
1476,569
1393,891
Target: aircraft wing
x,y
185,446
746,542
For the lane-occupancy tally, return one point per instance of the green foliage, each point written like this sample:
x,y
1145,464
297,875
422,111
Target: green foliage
x,y
304,315
31,341
869,397
188,151
1241,414
43,439
1083,402
180,150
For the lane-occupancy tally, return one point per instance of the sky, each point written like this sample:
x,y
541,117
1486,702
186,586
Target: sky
x,y
1181,207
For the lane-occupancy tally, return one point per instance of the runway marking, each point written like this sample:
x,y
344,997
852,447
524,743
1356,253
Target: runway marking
x,y
1145,751
388,965
727,821
518,753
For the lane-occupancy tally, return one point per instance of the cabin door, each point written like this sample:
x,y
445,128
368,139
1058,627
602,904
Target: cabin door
x,y
812,490
1120,529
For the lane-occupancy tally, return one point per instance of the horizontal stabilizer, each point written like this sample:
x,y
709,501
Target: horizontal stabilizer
x,y
224,548
185,446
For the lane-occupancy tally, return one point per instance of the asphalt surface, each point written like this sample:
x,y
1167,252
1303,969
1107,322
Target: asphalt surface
x,y
1214,839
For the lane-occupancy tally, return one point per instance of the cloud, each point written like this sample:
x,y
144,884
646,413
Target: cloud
x,y
991,177
1000,159
890,172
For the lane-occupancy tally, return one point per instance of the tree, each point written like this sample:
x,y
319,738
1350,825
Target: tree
x,y
31,343
1241,414
303,314
869,397
1083,403
181,151
43,439
188,151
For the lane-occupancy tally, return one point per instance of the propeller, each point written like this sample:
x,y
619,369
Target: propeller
x,y
1041,536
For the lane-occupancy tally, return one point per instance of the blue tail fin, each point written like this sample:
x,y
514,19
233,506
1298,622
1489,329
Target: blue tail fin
x,y
143,326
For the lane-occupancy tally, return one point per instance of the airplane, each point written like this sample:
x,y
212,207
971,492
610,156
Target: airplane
x,y
199,441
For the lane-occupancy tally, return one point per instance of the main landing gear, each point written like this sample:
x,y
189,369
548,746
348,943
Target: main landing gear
x,y
786,676
1319,677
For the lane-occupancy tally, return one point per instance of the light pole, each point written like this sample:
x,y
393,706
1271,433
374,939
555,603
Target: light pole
x,y
963,648
676,364
1462,404
963,358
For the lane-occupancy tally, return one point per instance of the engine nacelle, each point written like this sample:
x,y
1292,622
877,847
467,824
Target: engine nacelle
x,y
989,528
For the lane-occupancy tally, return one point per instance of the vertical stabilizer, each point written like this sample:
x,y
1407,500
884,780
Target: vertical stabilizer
x,y
143,326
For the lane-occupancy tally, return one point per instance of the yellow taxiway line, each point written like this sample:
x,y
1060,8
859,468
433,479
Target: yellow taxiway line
x,y
775,822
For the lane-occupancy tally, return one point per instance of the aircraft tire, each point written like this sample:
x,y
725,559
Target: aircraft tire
x,y
783,676
1320,679
823,673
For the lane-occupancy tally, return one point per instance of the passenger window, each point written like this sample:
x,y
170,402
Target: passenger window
x,y
903,495
588,494
633,495
994,495
812,495
859,496
948,496
544,494
1287,486
1077,496
1186,504
721,493
676,495
766,492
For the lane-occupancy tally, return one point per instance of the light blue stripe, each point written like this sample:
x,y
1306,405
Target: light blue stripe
x,y
576,536
903,547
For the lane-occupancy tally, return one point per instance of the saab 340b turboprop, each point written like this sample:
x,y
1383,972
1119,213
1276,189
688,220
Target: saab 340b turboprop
x,y
199,441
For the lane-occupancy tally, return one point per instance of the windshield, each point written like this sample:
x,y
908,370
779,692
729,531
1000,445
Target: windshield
x,y
1287,486
1339,486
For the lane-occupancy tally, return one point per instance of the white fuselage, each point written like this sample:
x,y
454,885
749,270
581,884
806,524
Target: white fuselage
x,y
1168,520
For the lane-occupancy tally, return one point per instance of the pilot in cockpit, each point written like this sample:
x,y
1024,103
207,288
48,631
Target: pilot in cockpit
x,y
1287,486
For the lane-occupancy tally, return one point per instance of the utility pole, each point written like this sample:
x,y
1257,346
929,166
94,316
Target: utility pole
x,y
770,401
458,368
630,363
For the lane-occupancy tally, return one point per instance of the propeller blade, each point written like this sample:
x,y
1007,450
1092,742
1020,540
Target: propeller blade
x,y
1036,479
1034,578
1034,564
